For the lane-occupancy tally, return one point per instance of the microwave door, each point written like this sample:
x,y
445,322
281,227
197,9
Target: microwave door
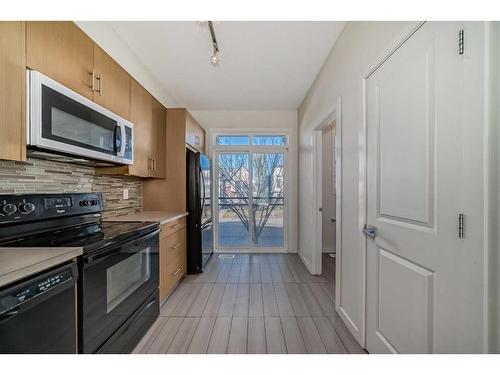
x,y
119,140
67,123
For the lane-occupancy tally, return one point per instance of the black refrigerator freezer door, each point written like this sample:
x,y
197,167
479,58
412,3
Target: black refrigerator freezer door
x,y
199,206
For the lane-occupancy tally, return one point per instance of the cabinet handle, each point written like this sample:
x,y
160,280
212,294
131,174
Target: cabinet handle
x,y
176,272
174,226
176,246
100,89
92,80
154,164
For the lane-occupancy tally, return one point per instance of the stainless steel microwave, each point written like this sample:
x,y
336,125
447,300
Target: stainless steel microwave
x,y
65,126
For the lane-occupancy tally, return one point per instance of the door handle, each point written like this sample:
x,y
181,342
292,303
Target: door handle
x,y
176,272
100,89
370,231
92,80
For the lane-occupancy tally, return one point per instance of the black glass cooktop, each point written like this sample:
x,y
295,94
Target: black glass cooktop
x,y
90,237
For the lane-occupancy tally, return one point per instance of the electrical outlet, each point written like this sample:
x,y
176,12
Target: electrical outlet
x,y
125,193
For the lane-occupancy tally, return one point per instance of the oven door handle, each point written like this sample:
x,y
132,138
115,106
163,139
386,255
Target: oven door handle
x,y
102,255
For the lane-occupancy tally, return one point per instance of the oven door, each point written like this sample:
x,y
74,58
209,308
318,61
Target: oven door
x,y
115,282
63,121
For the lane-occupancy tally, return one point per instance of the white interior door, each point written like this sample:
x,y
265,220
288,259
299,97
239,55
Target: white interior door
x,y
424,127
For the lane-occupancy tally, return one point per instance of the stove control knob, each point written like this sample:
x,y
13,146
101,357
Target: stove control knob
x,y
26,208
9,209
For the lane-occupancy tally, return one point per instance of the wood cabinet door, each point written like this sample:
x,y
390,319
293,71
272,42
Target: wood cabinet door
x,y
12,91
141,110
159,139
195,135
63,52
112,84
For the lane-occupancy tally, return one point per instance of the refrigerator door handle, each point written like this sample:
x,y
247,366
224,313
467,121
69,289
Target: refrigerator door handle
x,y
203,197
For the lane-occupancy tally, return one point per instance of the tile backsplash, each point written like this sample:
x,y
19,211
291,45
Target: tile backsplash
x,y
42,176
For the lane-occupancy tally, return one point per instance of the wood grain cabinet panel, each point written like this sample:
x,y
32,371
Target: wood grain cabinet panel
x,y
172,246
195,134
174,226
63,52
172,256
159,140
141,111
112,84
12,91
169,194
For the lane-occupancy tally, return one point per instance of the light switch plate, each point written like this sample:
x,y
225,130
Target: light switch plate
x,y
125,193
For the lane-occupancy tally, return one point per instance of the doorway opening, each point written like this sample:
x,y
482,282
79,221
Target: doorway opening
x,y
327,174
329,193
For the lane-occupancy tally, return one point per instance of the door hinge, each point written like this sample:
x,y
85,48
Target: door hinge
x,y
461,42
460,225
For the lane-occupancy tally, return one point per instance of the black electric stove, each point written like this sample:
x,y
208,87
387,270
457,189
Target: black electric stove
x,y
72,221
118,271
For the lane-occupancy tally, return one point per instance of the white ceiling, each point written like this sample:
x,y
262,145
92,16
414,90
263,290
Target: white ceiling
x,y
265,65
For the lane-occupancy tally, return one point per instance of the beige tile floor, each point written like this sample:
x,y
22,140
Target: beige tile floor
x,y
252,303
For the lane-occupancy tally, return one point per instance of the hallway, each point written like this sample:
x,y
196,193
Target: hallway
x,y
252,303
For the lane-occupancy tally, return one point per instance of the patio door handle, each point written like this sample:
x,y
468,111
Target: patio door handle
x,y
370,231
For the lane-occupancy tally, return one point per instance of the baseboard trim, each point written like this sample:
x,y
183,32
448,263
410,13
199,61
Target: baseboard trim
x,y
306,263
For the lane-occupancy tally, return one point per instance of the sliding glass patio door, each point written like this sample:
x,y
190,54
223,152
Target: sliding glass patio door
x,y
268,199
233,199
251,199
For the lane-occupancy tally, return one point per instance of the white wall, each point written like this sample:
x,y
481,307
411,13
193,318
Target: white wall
x,y
360,45
494,213
102,34
328,201
253,120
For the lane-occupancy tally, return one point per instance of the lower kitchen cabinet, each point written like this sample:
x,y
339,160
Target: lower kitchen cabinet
x,y
172,255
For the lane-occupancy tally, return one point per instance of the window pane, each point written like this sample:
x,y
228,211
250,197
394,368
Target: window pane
x,y
233,140
268,199
233,193
269,140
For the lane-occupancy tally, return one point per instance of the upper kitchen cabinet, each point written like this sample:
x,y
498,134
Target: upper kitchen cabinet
x,y
12,91
141,114
149,119
63,52
159,139
111,84
195,134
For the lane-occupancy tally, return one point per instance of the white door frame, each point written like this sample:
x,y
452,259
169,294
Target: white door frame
x,y
316,262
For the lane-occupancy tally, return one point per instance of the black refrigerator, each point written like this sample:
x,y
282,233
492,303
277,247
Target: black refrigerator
x,y
199,205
